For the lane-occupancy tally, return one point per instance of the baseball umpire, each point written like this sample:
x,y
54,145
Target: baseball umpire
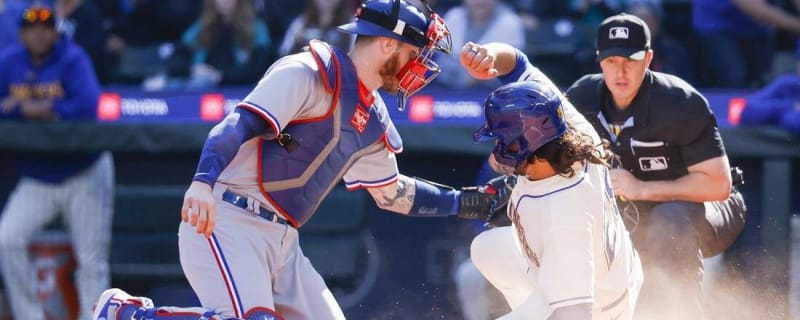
x,y
673,173
315,118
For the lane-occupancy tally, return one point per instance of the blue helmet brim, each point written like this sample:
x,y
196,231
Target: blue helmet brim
x,y
483,135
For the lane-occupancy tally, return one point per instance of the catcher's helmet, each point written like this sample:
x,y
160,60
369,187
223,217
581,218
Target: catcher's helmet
x,y
390,18
397,19
521,116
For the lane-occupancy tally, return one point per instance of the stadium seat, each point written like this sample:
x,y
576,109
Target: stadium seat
x,y
147,208
138,63
559,36
341,212
144,242
562,48
339,244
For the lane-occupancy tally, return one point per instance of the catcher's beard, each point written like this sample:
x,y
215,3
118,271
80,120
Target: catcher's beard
x,y
389,72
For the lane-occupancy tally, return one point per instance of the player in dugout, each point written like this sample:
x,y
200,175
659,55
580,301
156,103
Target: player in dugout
x,y
47,78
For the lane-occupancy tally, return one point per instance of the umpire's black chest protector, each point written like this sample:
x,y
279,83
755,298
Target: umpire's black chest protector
x,y
670,129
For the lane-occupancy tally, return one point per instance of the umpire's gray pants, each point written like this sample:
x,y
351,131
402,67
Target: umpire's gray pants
x,y
672,239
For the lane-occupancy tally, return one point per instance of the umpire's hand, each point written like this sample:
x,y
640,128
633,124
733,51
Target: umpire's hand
x,y
626,185
199,208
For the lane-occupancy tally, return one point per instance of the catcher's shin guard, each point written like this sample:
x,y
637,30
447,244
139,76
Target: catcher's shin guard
x,y
174,313
262,314
115,304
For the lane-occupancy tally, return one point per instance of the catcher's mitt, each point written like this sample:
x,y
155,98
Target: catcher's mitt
x,y
487,202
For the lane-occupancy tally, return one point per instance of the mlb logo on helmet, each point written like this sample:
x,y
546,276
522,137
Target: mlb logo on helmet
x,y
560,113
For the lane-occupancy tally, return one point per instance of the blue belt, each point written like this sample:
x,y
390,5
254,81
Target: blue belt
x,y
241,202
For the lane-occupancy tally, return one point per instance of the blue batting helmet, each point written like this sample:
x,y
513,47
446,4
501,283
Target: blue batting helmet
x,y
521,117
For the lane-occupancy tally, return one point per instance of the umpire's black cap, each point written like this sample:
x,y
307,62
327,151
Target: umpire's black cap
x,y
623,35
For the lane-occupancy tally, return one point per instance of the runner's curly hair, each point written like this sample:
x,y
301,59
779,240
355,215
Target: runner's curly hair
x,y
572,146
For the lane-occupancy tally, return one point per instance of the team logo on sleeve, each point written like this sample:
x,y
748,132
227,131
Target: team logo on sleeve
x,y
360,119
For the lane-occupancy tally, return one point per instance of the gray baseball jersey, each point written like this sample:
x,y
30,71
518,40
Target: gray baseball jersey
x,y
292,91
251,264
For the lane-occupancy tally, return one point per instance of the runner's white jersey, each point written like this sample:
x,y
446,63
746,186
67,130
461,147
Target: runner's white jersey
x,y
573,238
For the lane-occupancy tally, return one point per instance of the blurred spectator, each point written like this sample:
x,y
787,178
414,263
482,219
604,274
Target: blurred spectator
x,y
587,11
10,10
543,8
533,11
143,33
150,22
479,21
671,56
438,5
526,11
594,11
776,104
227,45
319,21
279,14
49,78
735,39
81,21
784,61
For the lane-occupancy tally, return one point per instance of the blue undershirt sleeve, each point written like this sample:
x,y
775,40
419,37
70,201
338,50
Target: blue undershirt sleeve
x,y
520,67
224,140
434,201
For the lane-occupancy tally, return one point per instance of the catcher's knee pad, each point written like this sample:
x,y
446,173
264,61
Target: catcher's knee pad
x,y
261,313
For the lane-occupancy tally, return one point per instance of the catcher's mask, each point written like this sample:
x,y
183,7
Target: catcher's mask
x,y
521,117
399,20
